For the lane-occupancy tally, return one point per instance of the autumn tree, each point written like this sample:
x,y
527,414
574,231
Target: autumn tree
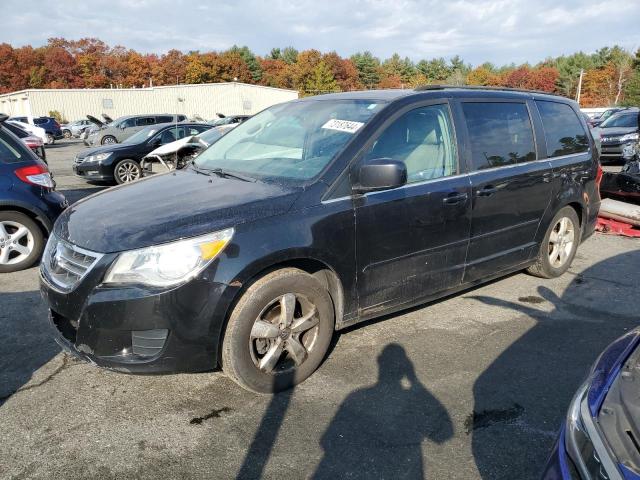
x,y
250,59
343,70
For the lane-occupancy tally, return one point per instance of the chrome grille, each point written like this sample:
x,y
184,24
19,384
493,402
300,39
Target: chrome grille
x,y
65,265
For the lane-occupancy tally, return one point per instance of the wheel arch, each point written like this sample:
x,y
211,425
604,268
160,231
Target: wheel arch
x,y
36,216
320,269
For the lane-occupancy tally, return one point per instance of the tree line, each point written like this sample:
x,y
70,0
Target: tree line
x,y
611,76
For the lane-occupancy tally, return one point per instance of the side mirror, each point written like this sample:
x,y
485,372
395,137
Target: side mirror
x,y
156,142
381,174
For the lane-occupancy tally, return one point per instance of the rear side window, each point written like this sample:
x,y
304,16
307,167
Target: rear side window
x,y
11,151
40,121
165,119
143,122
562,128
499,134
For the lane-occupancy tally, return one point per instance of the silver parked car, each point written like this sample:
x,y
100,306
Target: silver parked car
x,y
123,127
75,129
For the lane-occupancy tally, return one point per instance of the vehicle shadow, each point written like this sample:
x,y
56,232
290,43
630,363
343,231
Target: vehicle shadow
x,y
26,344
377,431
522,397
75,194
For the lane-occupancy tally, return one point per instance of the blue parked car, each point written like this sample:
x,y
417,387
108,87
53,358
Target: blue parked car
x,y
50,125
601,436
29,204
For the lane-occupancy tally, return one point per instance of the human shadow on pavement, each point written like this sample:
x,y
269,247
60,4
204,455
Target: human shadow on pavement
x,y
522,397
26,343
378,430
265,437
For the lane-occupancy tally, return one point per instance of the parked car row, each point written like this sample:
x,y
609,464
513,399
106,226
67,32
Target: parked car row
x,y
52,128
120,163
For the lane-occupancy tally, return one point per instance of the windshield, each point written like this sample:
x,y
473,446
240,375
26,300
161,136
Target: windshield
x,y
294,140
210,136
142,135
626,120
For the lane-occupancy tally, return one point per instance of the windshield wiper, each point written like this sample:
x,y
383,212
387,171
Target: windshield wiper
x,y
226,174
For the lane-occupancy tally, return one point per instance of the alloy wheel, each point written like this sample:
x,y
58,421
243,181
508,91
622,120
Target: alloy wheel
x,y
16,242
561,242
128,172
284,334
108,140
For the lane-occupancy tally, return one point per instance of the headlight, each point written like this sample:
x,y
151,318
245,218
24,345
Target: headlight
x,y
630,137
98,157
169,264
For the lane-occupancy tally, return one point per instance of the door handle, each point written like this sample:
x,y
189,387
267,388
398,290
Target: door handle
x,y
454,198
486,191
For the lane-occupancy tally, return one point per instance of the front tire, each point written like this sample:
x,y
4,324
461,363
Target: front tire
x,y
108,140
278,332
21,241
66,133
126,171
558,246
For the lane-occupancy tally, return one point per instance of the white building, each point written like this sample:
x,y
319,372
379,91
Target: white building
x,y
204,100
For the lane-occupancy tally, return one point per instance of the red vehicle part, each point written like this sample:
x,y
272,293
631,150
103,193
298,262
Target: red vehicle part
x,y
614,227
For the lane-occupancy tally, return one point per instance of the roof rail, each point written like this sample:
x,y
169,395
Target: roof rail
x,y
3,117
423,88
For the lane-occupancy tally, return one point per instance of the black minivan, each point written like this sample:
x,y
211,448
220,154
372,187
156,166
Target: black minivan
x,y
314,215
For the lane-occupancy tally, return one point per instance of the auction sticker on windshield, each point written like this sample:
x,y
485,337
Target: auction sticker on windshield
x,y
343,125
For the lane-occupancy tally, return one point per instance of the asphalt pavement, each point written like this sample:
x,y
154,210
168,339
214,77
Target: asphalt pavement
x,y
473,386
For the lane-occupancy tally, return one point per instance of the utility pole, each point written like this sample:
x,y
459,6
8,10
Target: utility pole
x,y
579,86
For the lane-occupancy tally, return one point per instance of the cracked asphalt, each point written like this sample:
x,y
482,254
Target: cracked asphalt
x,y
473,386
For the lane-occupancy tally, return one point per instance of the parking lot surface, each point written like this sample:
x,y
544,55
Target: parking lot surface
x,y
473,386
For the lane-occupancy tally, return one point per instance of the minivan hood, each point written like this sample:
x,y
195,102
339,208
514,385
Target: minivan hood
x,y
168,207
614,131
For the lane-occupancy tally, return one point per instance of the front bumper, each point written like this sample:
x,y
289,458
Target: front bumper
x,y
617,151
93,171
136,329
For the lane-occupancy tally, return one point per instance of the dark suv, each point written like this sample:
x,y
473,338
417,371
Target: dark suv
x,y
314,215
28,203
50,125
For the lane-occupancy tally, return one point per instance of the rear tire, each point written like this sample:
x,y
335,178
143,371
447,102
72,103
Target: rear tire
x,y
278,332
559,245
50,139
26,244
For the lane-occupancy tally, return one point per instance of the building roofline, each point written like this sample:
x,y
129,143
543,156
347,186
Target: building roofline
x,y
145,89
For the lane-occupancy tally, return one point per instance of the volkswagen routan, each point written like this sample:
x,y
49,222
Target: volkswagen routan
x,y
314,215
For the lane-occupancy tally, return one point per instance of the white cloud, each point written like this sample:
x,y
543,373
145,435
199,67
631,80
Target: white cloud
x,y
500,31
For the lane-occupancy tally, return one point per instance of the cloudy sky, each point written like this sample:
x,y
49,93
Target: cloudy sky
x,y
500,31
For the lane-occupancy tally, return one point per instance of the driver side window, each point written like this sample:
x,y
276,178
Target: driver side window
x,y
423,139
